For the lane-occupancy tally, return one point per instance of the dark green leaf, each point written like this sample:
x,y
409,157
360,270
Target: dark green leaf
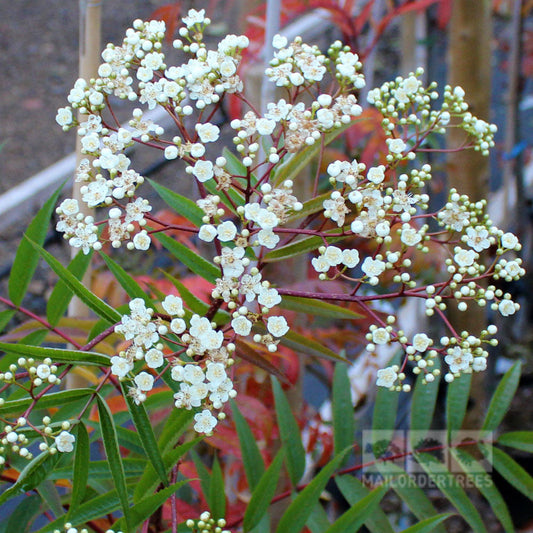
x,y
217,492
356,516
353,490
301,507
194,262
456,402
132,288
263,493
511,471
502,397
203,474
33,474
147,507
61,296
145,431
251,456
27,258
92,301
301,246
48,400
423,403
5,317
521,440
315,307
289,434
149,480
428,525
343,414
112,450
50,495
81,468
448,485
180,204
177,423
308,346
58,355
477,476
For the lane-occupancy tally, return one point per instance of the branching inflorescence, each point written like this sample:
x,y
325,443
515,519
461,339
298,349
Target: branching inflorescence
x,y
368,228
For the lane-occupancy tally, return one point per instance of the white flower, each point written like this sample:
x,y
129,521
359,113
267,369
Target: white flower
x,y
64,116
265,126
333,255
43,371
171,152
65,442
372,267
177,373
241,326
268,297
207,233
69,207
386,377
142,240
144,381
173,305
479,364
178,325
207,132
193,374
477,238
231,261
350,258
120,366
194,17
509,241
215,373
320,264
226,231
267,219
380,336
154,358
458,360
203,170
267,238
410,236
279,41
205,422
421,342
277,326
376,174
507,307
396,146
464,258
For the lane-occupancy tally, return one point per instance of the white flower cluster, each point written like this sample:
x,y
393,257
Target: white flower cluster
x,y
206,523
69,528
56,438
249,209
203,383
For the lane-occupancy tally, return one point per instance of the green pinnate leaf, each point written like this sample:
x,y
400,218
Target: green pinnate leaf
x,y
92,301
502,397
27,257
301,507
114,458
82,457
521,440
61,296
290,434
263,493
251,456
358,513
343,414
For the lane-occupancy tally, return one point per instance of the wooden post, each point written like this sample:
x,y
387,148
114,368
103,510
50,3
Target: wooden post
x,y
89,61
